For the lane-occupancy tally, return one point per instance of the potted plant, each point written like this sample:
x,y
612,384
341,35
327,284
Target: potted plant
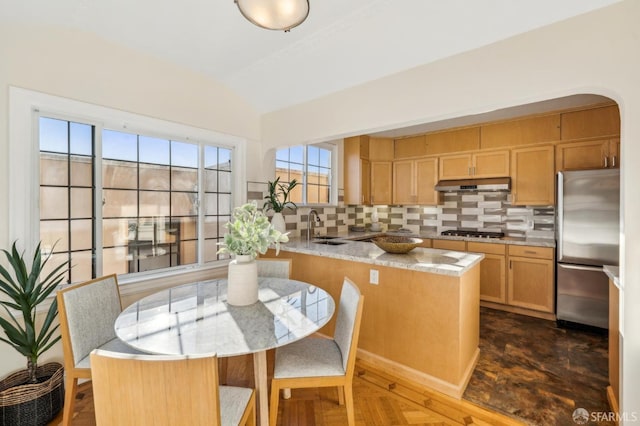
x,y
33,396
277,189
248,233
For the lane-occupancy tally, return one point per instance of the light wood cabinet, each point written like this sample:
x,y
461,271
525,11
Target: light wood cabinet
x,y
455,245
413,146
414,181
357,173
381,182
583,155
493,280
530,130
447,141
530,282
478,165
589,123
533,176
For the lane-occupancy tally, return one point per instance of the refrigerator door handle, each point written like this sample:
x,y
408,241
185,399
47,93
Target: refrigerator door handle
x,y
581,267
560,214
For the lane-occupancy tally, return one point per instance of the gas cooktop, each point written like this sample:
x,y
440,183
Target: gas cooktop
x,y
473,234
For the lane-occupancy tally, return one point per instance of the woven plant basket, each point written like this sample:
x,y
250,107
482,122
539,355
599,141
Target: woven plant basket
x,y
37,404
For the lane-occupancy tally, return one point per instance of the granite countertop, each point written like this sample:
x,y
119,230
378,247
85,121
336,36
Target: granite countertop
x,y
522,241
444,262
613,272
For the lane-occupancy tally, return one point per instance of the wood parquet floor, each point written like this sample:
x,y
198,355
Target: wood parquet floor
x,y
379,400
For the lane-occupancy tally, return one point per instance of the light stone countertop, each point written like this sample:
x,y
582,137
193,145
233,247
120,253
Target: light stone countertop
x,y
613,272
443,262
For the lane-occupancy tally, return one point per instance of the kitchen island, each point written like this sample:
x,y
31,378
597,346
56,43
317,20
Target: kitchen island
x,y
421,309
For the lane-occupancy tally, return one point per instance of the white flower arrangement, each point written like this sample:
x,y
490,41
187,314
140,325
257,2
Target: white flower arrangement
x,y
250,233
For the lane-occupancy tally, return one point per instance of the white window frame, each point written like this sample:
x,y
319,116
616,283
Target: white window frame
x,y
333,193
26,106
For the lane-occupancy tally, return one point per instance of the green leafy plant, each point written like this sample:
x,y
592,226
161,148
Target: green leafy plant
x,y
25,291
250,233
277,189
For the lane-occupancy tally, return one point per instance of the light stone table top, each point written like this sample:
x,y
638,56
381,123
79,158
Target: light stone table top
x,y
444,262
195,318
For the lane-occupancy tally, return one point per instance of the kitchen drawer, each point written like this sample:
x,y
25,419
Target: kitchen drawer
x,y
531,251
489,248
455,245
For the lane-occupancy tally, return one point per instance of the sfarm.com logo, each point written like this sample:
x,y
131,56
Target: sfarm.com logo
x,y
581,416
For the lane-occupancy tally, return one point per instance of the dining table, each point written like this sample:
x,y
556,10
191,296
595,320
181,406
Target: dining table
x,y
195,318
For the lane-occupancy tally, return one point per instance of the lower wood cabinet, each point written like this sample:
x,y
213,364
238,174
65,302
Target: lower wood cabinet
x,y
493,279
530,282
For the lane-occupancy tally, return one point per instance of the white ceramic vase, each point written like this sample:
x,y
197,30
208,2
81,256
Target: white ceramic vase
x,y
242,280
278,222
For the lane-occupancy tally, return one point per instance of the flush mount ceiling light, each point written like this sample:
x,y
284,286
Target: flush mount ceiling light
x,y
274,14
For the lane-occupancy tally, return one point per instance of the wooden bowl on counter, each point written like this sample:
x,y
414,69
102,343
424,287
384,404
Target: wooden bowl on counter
x,y
397,244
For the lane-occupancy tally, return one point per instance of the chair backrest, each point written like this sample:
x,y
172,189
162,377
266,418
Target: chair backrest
x,y
274,268
155,389
348,323
88,312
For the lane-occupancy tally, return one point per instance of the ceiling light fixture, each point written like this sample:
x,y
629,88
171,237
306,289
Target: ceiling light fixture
x,y
274,14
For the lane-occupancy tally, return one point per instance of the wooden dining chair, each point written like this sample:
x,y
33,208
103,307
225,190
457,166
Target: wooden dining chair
x,y
321,362
166,390
88,312
274,268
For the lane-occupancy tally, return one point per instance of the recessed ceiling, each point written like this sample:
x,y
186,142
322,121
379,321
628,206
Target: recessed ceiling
x,y
341,44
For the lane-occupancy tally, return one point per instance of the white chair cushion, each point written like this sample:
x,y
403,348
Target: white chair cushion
x,y
309,357
233,403
113,345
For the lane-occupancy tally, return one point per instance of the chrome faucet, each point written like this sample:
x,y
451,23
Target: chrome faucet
x,y
312,212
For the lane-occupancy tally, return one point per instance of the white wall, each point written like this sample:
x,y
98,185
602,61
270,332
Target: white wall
x,y
594,53
83,67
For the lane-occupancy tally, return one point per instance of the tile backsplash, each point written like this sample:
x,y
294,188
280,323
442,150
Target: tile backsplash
x,y
482,211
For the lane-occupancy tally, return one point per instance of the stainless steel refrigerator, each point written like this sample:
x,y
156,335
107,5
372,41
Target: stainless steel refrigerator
x,y
588,234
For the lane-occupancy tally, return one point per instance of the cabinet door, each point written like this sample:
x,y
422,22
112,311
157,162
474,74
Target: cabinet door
x,y
455,166
381,177
426,177
403,182
582,155
493,271
356,170
533,176
491,164
530,283
365,182
614,153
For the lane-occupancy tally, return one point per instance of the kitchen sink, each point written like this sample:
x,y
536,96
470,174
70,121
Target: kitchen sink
x,y
324,237
329,242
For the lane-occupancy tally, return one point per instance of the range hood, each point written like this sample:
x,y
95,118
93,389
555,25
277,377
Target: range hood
x,y
501,184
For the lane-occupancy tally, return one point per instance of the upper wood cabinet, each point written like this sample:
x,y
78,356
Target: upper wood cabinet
x,y
594,154
533,176
525,131
478,165
589,123
380,149
465,139
414,181
381,178
356,170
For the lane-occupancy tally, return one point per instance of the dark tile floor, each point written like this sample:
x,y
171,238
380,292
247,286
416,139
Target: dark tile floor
x,y
536,372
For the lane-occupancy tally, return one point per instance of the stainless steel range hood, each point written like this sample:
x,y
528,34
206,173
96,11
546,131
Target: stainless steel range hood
x,y
501,184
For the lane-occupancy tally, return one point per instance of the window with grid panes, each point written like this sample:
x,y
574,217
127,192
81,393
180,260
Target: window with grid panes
x,y
311,166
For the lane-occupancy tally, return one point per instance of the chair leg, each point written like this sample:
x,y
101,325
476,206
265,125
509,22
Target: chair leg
x,y
273,405
71,386
341,395
348,396
223,364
